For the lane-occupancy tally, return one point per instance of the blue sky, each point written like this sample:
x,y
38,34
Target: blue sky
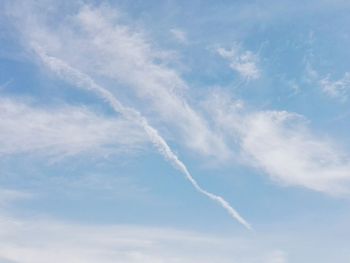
x,y
169,131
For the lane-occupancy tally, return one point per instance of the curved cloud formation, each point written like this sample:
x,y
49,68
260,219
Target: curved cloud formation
x,y
282,145
95,41
84,81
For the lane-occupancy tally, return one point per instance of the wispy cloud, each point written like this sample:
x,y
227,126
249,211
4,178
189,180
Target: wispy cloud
x,y
143,99
338,89
121,54
84,81
64,130
125,57
243,62
67,242
179,35
282,145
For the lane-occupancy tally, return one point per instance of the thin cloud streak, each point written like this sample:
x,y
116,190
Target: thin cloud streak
x,y
96,41
63,131
84,81
94,243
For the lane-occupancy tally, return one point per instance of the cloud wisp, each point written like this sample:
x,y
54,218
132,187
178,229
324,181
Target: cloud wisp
x,y
63,131
282,145
93,243
242,62
84,81
122,54
179,35
337,89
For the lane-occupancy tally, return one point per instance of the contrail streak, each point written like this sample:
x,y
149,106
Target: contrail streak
x,y
84,81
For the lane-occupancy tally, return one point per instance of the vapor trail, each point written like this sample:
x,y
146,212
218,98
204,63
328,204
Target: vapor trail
x,y
84,81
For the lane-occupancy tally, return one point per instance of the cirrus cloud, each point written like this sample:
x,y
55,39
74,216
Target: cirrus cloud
x,y
282,145
66,130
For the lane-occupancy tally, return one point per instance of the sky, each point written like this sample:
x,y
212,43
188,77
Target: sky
x,y
174,131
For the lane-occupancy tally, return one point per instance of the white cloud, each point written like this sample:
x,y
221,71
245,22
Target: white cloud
x,y
29,241
63,131
179,35
82,80
95,41
281,145
244,62
338,89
